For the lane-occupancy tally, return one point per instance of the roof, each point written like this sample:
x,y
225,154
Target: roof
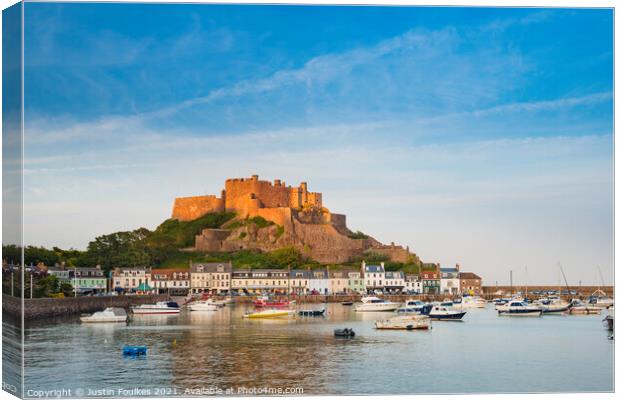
x,y
449,270
374,268
168,273
318,274
468,275
300,273
394,275
211,267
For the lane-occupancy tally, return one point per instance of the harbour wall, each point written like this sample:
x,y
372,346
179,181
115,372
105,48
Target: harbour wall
x,y
43,308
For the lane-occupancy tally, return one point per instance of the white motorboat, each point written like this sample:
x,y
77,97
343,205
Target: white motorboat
x,y
471,302
600,302
162,307
552,306
577,306
202,306
110,314
406,322
412,307
519,309
372,303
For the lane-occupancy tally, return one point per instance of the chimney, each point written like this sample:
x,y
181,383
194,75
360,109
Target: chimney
x,y
458,267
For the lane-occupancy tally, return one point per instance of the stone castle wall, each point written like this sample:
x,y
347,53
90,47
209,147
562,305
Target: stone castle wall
x,y
246,196
190,208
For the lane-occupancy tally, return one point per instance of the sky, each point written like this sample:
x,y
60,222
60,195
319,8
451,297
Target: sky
x,y
476,136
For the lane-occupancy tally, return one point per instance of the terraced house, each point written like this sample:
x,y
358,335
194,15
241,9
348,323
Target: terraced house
x,y
89,280
299,281
273,281
431,282
394,281
355,282
211,278
130,279
374,276
175,282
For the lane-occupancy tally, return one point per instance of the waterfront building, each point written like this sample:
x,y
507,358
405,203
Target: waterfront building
x,y
63,275
431,282
261,281
319,282
470,283
394,281
355,282
450,282
129,279
171,281
211,278
338,281
374,276
413,284
89,280
299,281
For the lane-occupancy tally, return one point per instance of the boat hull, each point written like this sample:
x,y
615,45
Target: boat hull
x,y
404,323
373,307
520,313
91,320
264,315
447,317
154,311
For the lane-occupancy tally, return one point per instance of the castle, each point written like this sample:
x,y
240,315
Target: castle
x,y
297,216
245,196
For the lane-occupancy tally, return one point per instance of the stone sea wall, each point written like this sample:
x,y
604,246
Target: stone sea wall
x,y
43,308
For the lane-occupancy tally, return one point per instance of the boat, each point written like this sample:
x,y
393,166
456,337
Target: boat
x,y
264,301
413,307
110,314
552,305
600,301
609,319
346,333
347,303
472,302
272,313
222,302
372,303
312,313
445,313
578,307
161,307
205,305
406,322
517,308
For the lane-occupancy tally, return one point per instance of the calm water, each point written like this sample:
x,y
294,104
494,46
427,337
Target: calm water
x,y
221,350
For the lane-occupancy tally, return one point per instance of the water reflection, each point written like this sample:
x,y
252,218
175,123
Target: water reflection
x,y
222,349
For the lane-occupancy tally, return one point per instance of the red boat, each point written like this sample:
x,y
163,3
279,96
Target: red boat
x,y
265,302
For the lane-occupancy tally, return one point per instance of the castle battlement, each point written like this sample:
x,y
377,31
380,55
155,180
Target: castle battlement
x,y
246,196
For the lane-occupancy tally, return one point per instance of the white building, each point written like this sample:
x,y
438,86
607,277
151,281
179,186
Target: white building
x,y
173,281
449,282
394,281
374,276
318,282
413,284
210,277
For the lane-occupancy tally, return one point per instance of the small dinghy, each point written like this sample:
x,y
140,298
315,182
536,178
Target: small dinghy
x,y
346,332
273,313
134,350
347,303
312,313
405,322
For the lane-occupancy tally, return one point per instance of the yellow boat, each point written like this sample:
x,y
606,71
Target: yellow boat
x,y
269,314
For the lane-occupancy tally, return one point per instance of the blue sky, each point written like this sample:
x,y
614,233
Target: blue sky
x,y
473,135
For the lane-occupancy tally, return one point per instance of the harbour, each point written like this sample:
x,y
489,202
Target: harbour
x,y
191,351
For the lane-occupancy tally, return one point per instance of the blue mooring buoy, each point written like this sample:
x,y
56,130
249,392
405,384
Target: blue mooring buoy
x,y
134,350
